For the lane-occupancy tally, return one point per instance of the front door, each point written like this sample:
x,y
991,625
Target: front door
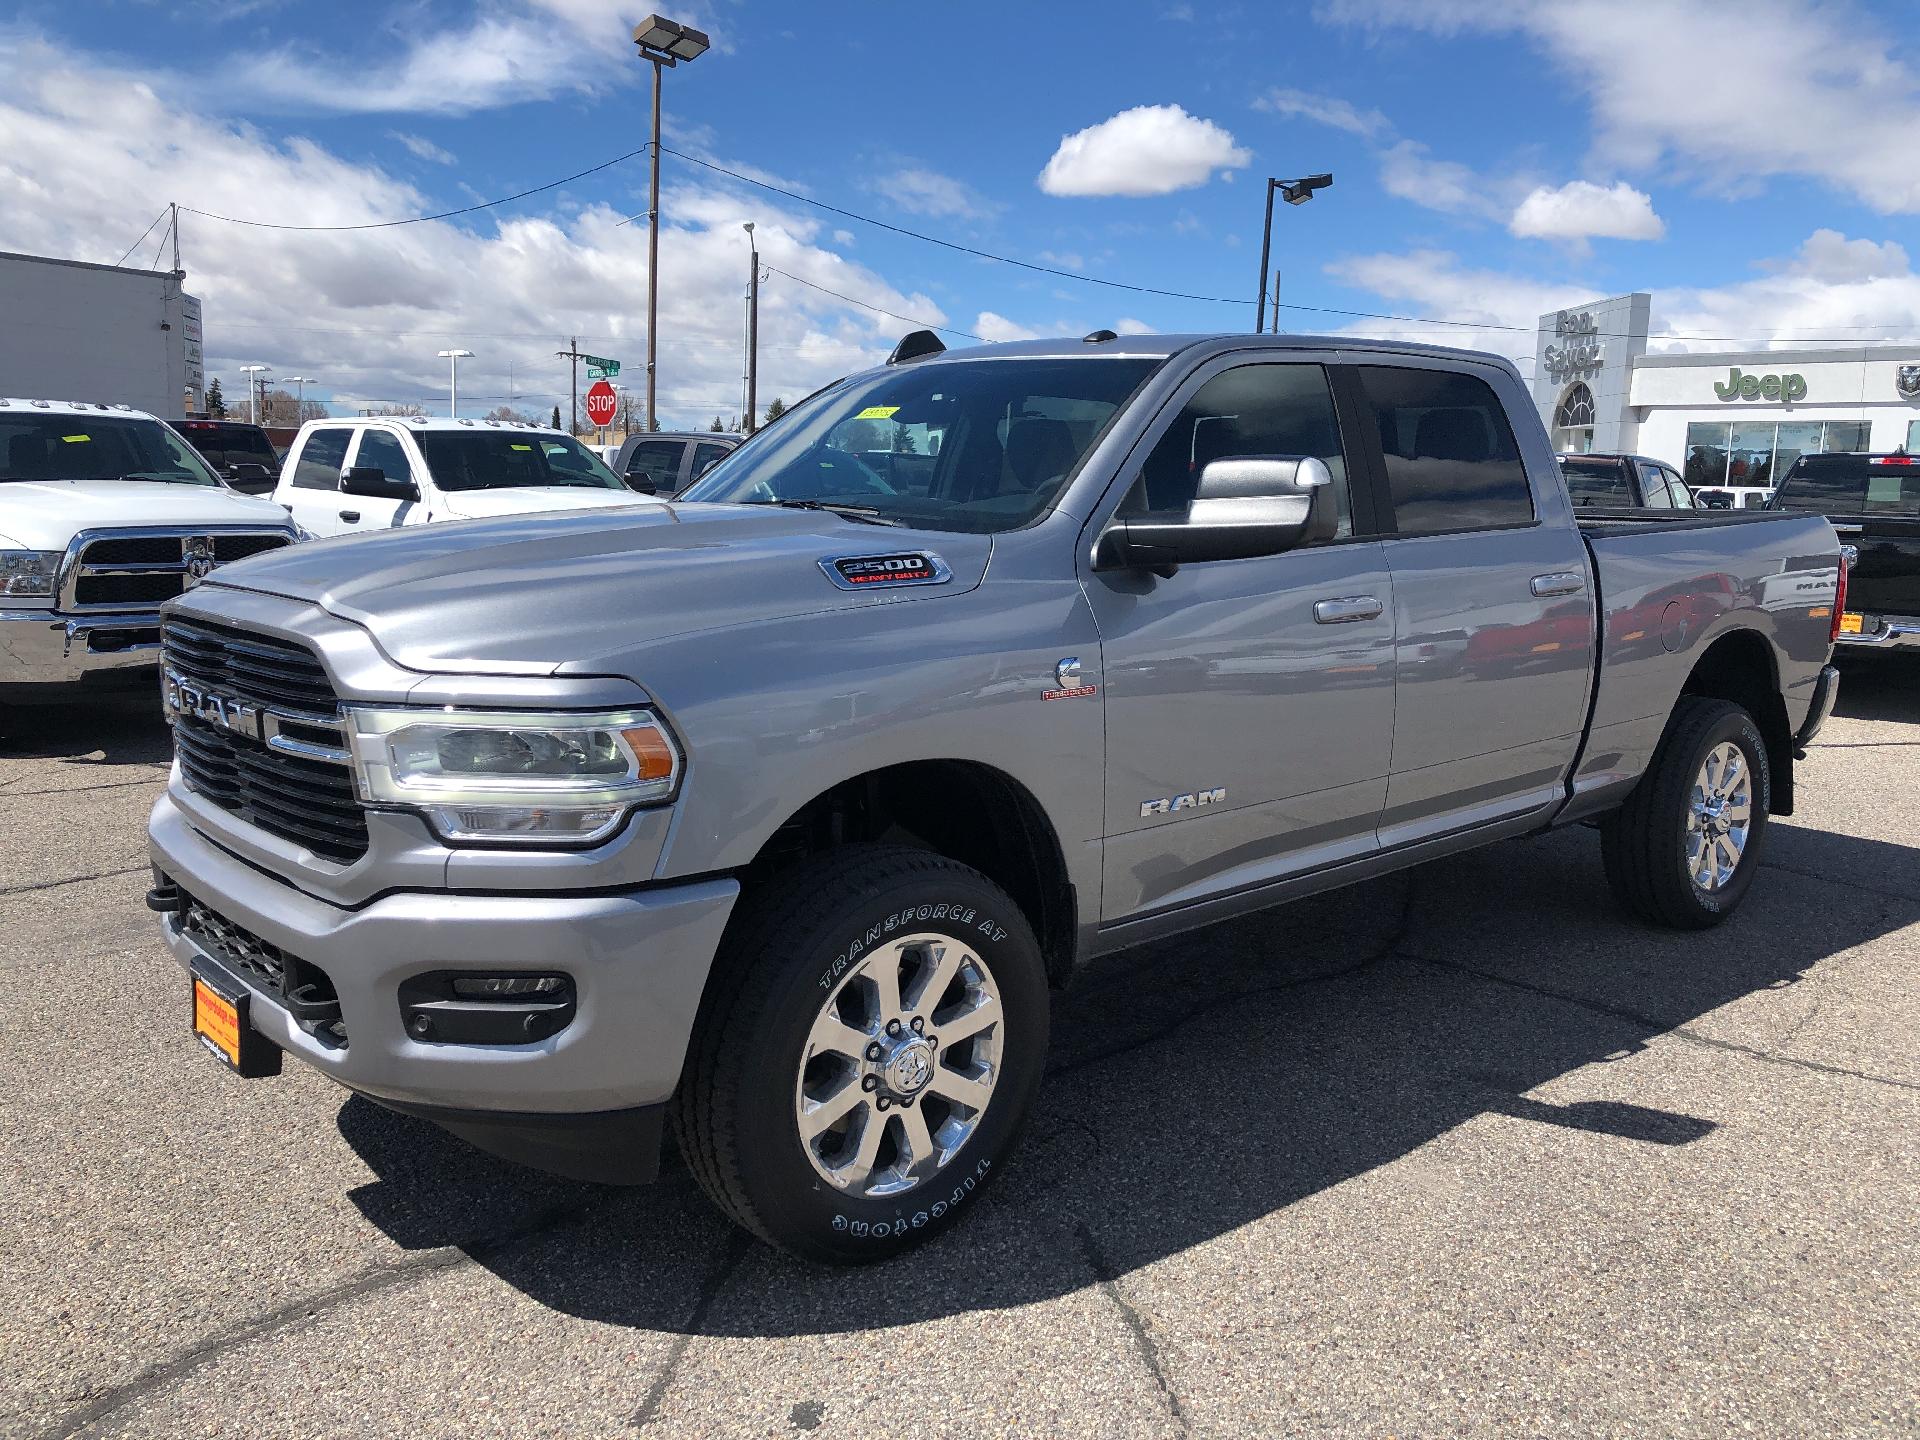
x,y
1249,703
383,451
1493,611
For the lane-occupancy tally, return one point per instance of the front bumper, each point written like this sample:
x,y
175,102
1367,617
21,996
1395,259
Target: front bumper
x,y
1885,632
639,961
47,648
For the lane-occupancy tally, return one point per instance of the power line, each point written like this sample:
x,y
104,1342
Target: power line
x,y
891,314
420,219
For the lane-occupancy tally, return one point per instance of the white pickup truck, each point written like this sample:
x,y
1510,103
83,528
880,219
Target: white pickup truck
x,y
104,514
351,476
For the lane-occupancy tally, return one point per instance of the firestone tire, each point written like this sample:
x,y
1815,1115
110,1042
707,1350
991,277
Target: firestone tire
x,y
1653,846
797,1012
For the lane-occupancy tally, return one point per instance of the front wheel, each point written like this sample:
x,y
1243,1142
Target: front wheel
x,y
1684,848
868,1052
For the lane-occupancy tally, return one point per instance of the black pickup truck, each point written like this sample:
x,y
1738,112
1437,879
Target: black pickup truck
x,y
1873,502
1615,482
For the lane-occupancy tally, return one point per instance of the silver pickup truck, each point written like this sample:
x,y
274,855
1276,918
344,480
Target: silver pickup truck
x,y
775,817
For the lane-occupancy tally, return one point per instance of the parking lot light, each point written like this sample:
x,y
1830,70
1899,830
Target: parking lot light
x,y
662,42
453,359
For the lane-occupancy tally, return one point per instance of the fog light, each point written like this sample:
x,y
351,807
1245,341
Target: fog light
x,y
507,987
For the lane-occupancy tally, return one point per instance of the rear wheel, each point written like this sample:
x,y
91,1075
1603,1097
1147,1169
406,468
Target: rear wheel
x,y
1684,848
867,1054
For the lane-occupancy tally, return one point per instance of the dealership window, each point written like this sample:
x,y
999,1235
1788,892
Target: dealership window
x,y
1760,452
1573,421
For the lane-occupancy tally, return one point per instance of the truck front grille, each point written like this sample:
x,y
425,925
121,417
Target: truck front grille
x,y
289,792
299,986
134,571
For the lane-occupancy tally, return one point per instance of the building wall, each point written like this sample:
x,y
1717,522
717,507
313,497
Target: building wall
x,y
1596,344
100,333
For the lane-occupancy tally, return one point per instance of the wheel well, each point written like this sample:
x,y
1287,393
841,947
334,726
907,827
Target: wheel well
x,y
958,808
1739,666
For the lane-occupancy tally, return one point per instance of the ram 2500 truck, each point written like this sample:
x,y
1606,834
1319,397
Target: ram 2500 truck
x,y
1873,502
105,512
775,816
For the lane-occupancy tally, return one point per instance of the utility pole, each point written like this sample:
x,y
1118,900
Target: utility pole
x,y
653,245
753,323
175,227
1276,302
572,353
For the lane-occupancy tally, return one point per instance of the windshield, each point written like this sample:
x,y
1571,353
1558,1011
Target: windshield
x,y
511,460
96,447
1596,482
223,444
974,445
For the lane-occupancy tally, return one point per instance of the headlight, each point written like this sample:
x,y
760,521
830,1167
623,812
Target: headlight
x,y
513,777
28,572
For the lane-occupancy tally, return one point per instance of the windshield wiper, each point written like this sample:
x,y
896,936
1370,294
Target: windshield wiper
x,y
865,514
161,478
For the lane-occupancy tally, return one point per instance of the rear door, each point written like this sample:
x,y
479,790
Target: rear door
x,y
311,489
1493,613
653,466
706,455
1249,703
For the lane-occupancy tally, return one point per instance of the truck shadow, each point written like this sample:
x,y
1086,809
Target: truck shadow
x,y
1207,1082
116,727
1879,687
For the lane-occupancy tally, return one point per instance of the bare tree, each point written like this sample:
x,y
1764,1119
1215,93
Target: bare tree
x,y
404,408
509,415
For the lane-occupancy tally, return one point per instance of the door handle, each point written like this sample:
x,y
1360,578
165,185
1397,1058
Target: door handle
x,y
1560,582
1346,609
352,517
1849,529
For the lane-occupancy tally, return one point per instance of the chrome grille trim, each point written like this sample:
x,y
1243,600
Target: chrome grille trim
x,y
140,569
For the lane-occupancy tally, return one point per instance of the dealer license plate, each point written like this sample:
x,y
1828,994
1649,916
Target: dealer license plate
x,y
1850,622
220,1023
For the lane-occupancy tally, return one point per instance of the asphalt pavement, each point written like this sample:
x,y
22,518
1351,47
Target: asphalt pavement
x,y
1455,1153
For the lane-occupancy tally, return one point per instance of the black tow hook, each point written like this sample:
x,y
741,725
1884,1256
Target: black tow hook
x,y
166,899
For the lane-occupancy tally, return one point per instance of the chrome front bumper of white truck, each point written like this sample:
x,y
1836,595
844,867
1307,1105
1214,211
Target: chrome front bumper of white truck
x,y
44,648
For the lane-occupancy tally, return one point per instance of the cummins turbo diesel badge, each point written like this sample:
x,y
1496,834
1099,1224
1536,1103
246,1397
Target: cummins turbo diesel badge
x,y
872,572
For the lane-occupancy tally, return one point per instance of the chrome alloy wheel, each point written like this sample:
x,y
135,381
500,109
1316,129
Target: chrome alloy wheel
x,y
1719,816
900,1065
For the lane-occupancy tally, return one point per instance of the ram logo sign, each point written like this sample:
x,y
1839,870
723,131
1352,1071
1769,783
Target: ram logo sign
x,y
1172,804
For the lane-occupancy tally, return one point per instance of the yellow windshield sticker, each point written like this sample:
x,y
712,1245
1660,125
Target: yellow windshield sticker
x,y
523,447
876,412
76,439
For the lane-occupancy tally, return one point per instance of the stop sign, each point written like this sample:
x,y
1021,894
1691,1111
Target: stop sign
x,y
601,403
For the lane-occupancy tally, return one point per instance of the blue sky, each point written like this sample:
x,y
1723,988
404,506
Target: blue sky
x,y
1755,166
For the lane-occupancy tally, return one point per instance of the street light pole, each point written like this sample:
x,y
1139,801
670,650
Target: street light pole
x,y
253,372
453,359
1294,192
662,42
753,324
299,382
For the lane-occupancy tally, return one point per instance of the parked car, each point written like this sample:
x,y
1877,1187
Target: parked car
x,y
104,513
776,817
346,477
1874,504
243,455
1624,481
1732,497
665,463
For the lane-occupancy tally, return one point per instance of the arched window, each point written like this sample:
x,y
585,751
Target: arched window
x,y
1573,420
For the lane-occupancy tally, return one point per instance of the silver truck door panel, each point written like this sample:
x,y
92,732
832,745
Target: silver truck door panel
x,y
1493,675
1224,678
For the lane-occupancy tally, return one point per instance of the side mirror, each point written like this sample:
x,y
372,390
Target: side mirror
x,y
374,483
642,482
1244,507
249,478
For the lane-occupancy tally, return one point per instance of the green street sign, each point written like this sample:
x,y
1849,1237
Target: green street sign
x,y
601,368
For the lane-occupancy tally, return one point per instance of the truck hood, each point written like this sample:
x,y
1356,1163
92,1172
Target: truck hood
x,y
532,593
534,499
46,514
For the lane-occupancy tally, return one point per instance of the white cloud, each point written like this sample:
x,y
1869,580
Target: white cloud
x,y
1325,110
366,310
1582,210
1788,89
1127,325
1830,256
422,147
1498,309
1409,171
1148,150
995,328
928,192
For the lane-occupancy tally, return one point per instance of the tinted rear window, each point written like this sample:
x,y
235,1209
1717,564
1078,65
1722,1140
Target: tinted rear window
x,y
1452,462
1851,484
1597,482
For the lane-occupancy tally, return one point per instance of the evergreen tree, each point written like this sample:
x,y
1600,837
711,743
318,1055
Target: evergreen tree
x,y
556,417
716,427
216,402
776,410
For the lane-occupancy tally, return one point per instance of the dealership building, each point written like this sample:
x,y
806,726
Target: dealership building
x,y
1732,417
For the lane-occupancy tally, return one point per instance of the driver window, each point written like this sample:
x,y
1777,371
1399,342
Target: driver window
x,y
1261,409
385,453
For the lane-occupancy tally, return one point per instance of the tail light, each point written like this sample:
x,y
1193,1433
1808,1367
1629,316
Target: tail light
x,y
1840,594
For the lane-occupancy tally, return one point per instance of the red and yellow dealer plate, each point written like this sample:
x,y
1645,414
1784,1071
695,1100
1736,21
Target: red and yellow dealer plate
x,y
216,1020
1850,622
